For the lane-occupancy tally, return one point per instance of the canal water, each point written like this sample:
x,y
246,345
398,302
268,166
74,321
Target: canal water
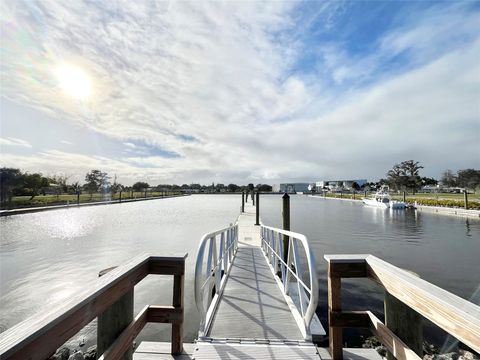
x,y
48,256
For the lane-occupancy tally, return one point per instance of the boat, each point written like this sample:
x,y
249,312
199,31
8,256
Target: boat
x,y
382,199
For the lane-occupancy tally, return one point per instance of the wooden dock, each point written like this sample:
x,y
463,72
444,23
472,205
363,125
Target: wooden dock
x,y
252,320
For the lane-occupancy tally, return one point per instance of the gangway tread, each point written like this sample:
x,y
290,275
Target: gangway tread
x,y
219,350
252,305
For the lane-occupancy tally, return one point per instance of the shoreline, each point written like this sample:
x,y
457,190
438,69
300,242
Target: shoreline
x,y
441,210
29,210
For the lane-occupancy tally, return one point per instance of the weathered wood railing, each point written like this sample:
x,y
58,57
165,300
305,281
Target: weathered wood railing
x,y
39,336
453,314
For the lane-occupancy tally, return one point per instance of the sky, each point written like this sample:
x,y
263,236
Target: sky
x,y
239,92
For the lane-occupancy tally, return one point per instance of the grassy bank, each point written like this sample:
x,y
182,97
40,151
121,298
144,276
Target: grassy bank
x,y
64,199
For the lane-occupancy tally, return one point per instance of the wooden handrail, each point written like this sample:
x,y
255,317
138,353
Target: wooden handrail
x,y
453,314
39,336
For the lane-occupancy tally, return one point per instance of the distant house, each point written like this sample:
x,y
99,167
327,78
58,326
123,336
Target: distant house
x,y
338,184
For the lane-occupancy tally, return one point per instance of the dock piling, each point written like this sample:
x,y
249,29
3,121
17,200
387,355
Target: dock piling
x,y
243,201
285,223
257,214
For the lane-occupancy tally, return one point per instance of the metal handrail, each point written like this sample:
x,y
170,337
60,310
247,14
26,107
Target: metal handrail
x,y
272,246
218,266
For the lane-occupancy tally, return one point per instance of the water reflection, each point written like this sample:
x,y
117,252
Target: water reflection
x,y
46,257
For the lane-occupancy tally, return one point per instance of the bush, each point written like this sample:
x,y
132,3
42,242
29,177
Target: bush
x,y
444,203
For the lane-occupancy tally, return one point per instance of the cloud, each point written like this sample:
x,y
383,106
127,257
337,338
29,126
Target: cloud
x,y
212,91
66,142
10,141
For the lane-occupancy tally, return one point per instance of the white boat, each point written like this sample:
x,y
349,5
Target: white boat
x,y
382,199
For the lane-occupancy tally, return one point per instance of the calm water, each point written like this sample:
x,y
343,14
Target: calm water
x,y
45,257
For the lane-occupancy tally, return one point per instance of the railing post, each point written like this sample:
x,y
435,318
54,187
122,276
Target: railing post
x,y
404,196
405,323
177,302
257,215
465,198
243,201
285,224
113,321
335,335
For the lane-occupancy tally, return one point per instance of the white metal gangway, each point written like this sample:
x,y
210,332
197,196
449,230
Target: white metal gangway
x,y
244,290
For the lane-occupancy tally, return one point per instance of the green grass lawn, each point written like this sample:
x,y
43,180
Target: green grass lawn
x,y
63,199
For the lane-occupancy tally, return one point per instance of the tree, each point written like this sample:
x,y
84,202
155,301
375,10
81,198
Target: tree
x,y
355,186
140,186
32,183
75,188
468,178
233,187
429,181
9,180
264,187
405,175
115,187
449,179
95,181
395,177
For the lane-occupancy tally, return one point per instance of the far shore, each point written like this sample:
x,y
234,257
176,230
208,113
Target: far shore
x,y
28,210
442,210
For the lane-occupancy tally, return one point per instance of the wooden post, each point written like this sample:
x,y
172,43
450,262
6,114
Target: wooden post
x,y
113,321
405,323
78,198
286,224
145,195
177,302
335,334
120,196
353,194
365,193
257,215
243,201
253,198
404,196
465,197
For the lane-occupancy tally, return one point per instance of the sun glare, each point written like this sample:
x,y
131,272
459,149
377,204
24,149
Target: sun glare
x,y
74,81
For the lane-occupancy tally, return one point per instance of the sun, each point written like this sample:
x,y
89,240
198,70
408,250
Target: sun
x,y
74,82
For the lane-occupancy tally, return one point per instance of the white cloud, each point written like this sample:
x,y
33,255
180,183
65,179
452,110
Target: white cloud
x,y
218,72
66,142
10,141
